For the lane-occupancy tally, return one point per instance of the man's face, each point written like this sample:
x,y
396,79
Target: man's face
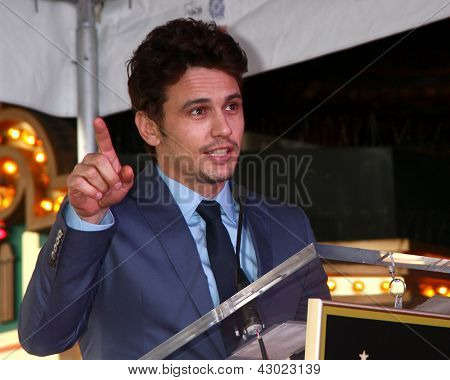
x,y
203,128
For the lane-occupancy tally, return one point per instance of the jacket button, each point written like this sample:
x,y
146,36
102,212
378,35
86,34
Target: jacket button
x,y
52,261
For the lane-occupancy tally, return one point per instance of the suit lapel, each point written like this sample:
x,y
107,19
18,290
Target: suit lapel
x,y
162,213
166,220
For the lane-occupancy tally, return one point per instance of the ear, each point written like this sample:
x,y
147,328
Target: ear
x,y
148,129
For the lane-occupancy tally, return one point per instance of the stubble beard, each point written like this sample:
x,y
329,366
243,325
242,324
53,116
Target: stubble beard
x,y
213,177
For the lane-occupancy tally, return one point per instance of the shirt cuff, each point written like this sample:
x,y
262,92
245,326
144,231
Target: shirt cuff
x,y
74,221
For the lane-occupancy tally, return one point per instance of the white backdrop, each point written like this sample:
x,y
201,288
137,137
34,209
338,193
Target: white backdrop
x,y
38,49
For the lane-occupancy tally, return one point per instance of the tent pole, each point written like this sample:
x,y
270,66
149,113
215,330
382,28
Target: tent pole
x,y
87,74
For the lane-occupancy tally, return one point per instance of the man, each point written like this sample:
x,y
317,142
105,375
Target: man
x,y
131,261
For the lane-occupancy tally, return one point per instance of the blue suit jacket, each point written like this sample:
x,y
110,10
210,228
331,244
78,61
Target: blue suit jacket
x,y
123,291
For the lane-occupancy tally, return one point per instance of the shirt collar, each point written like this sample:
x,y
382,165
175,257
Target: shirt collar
x,y
188,199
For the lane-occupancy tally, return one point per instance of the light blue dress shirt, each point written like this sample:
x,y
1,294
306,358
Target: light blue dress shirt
x,y
187,201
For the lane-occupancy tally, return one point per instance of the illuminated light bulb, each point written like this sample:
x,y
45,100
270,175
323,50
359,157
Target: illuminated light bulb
x,y
14,133
385,285
10,167
358,286
6,198
28,138
47,205
6,202
40,157
57,205
3,234
331,285
442,290
428,291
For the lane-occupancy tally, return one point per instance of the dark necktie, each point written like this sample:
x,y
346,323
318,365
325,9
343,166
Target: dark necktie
x,y
223,265
220,249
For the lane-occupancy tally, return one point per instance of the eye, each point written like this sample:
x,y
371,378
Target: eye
x,y
232,107
197,112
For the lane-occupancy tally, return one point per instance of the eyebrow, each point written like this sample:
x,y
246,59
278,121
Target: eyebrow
x,y
192,102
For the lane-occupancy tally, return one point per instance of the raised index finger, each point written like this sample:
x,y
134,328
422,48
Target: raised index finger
x,y
104,142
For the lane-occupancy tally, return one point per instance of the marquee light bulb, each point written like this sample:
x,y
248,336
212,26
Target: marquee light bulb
x,y
6,202
10,167
358,286
40,157
28,138
57,204
428,292
14,133
442,290
47,205
385,285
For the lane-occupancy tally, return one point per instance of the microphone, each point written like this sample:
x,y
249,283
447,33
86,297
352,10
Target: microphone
x,y
252,321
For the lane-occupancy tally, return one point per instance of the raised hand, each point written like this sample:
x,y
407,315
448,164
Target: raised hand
x,y
99,181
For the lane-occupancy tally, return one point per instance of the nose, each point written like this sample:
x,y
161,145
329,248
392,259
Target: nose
x,y
220,126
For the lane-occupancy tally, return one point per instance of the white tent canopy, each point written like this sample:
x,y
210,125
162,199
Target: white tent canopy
x,y
38,49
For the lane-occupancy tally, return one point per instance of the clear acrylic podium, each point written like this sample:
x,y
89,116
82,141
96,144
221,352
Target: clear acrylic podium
x,y
289,336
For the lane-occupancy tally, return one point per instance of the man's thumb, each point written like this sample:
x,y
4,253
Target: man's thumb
x,y
127,176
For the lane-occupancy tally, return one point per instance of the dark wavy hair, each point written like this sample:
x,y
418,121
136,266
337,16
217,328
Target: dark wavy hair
x,y
169,50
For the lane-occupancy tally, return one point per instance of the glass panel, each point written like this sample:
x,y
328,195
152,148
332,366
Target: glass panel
x,y
277,276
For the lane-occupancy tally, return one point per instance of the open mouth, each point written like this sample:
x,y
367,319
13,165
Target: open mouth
x,y
221,152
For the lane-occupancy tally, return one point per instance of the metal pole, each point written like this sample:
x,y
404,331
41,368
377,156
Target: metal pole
x,y
87,74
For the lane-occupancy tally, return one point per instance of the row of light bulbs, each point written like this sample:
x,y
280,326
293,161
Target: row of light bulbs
x,y
10,168
16,134
50,205
358,285
426,290
430,291
28,138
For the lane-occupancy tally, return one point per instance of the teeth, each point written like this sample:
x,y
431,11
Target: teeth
x,y
218,152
